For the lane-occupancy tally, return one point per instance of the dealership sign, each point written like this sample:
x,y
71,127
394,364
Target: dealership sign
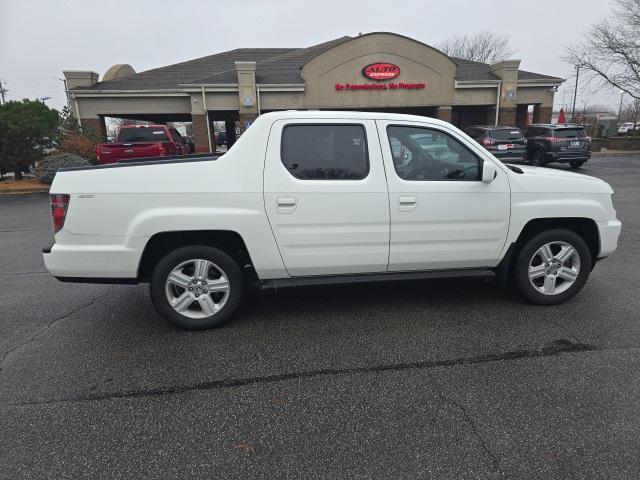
x,y
380,72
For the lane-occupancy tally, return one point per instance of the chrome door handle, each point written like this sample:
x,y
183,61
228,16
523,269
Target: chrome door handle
x,y
406,204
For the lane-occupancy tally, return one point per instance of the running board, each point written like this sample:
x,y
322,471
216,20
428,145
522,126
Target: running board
x,y
294,282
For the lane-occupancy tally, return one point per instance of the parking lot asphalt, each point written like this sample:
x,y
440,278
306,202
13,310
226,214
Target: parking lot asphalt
x,y
411,380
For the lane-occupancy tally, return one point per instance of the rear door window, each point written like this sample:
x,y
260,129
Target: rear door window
x,y
325,152
144,134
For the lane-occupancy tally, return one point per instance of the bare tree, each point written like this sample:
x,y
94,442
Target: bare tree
x,y
610,50
632,110
484,46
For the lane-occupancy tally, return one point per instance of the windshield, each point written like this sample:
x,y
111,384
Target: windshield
x,y
130,135
570,133
506,134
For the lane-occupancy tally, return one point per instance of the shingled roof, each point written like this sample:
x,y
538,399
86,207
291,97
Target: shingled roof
x,y
273,66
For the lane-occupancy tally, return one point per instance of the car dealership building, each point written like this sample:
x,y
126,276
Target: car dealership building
x,y
371,72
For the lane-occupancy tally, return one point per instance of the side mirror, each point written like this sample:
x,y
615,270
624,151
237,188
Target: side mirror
x,y
489,171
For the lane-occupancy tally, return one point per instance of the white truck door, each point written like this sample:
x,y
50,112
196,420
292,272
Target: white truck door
x,y
442,215
326,196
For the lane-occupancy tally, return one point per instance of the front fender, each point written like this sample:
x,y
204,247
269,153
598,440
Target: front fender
x,y
527,207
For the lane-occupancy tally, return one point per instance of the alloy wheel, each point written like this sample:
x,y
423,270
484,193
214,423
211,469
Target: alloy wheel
x,y
554,267
197,288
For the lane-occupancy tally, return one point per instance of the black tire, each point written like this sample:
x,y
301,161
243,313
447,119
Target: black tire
x,y
576,163
526,254
222,263
537,158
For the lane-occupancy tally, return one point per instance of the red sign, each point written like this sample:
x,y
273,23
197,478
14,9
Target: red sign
x,y
380,86
381,71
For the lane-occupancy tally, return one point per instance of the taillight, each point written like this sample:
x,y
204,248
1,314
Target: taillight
x,y
487,142
161,150
59,205
553,139
98,152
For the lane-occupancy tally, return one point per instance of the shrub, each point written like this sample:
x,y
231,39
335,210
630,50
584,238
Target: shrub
x,y
78,144
48,166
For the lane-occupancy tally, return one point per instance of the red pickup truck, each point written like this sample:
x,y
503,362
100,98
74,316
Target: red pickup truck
x,y
142,141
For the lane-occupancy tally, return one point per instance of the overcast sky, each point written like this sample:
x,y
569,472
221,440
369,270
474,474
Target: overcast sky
x,y
40,38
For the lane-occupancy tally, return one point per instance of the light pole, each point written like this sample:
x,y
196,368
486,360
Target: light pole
x,y
575,92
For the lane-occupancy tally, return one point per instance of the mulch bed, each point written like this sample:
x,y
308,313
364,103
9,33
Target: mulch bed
x,y
26,185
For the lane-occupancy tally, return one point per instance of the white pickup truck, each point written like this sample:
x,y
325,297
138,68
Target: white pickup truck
x,y
311,198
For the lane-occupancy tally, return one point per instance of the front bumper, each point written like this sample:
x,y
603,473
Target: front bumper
x,y
609,233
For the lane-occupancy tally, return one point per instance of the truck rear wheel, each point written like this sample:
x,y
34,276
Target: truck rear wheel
x,y
552,267
197,287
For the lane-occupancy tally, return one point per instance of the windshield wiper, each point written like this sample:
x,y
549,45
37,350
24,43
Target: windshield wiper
x,y
513,168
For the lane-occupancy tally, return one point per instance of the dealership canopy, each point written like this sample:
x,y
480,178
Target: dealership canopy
x,y
373,72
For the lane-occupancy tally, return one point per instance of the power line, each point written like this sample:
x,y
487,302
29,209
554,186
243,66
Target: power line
x,y
32,86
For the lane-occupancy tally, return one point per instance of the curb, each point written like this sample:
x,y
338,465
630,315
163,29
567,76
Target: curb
x,y
630,153
19,191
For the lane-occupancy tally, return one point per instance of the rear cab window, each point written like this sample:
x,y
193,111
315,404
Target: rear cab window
x,y
325,151
142,134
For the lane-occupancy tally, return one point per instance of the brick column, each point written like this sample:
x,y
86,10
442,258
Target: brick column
x,y
541,114
96,125
444,113
507,116
201,133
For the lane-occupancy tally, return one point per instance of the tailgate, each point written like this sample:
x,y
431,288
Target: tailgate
x,y
113,152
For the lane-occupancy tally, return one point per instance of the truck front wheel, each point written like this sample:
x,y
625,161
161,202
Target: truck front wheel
x,y
552,267
197,287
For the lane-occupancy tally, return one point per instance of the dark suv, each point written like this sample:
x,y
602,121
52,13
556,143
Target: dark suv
x,y
563,143
505,143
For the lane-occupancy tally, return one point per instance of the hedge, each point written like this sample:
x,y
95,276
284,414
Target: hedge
x,y
49,166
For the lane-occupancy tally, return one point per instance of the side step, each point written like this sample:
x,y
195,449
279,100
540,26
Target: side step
x,y
295,282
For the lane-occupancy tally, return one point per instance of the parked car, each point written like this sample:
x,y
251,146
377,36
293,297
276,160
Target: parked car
x,y
562,143
504,142
316,198
142,141
626,128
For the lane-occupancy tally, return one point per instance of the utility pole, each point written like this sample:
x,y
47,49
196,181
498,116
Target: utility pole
x,y
620,108
2,92
575,92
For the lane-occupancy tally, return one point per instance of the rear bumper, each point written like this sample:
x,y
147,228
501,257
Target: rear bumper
x,y
609,233
510,155
564,157
72,263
